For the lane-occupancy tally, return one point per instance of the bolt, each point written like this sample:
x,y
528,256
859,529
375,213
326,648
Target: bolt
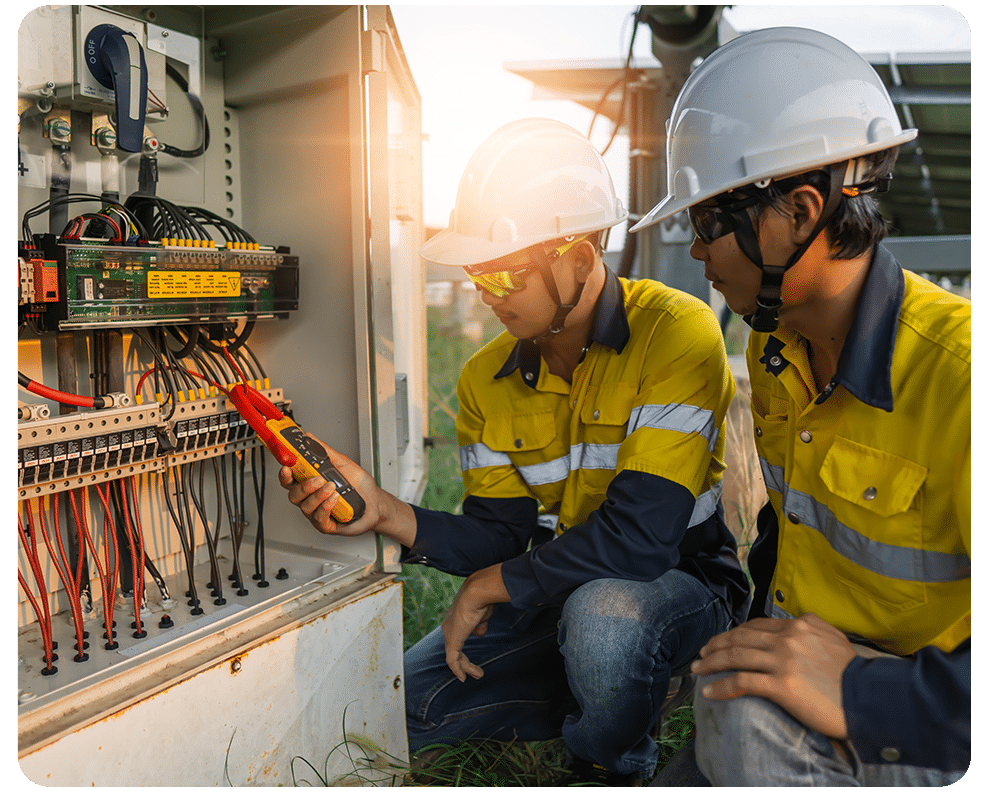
x,y
150,144
397,682
235,666
281,575
25,695
106,138
60,130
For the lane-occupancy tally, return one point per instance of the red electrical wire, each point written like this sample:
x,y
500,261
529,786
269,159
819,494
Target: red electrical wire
x,y
233,364
35,561
154,369
109,532
54,394
44,620
108,588
65,576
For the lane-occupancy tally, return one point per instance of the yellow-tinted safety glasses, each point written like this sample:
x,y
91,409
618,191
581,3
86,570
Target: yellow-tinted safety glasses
x,y
500,283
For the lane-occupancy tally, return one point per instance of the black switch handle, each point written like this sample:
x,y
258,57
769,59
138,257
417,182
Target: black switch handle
x,y
116,59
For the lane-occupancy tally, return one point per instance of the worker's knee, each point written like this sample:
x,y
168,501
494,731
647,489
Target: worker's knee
x,y
751,741
601,618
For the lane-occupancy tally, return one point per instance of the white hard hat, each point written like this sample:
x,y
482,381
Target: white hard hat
x,y
531,181
768,104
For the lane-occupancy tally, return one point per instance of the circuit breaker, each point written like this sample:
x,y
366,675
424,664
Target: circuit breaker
x,y
212,199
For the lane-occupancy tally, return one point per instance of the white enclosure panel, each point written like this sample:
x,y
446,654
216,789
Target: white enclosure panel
x,y
244,718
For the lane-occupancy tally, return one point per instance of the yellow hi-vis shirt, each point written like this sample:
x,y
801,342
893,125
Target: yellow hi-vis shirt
x,y
872,490
657,406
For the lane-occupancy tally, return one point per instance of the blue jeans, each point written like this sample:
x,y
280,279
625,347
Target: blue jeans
x,y
753,742
595,672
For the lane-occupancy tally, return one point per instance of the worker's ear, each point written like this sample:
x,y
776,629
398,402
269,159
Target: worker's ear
x,y
585,259
806,204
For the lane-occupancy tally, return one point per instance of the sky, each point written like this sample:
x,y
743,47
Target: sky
x,y
457,54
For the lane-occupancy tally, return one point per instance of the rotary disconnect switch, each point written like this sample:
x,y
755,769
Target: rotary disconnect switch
x,y
116,59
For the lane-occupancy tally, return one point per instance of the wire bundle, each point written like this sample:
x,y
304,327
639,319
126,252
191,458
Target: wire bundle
x,y
124,224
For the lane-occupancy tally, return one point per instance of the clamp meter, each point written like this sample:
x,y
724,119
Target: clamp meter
x,y
292,448
311,461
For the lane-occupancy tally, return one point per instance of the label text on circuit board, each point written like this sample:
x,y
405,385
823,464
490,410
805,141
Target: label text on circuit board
x,y
193,284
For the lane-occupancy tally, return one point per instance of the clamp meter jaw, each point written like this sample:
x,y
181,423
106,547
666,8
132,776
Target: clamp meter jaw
x,y
292,448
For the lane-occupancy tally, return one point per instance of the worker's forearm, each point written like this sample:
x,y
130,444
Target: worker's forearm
x,y
397,520
487,586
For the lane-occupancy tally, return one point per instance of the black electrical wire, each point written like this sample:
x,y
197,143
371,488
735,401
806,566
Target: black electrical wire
x,y
621,81
165,219
235,532
260,367
166,374
197,106
219,504
229,230
205,367
72,198
178,520
182,474
149,566
173,362
239,340
190,341
240,480
245,363
256,454
216,579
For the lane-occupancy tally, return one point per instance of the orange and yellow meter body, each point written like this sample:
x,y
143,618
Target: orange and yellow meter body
x,y
311,461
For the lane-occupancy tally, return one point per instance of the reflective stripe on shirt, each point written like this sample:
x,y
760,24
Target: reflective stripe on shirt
x,y
901,563
675,417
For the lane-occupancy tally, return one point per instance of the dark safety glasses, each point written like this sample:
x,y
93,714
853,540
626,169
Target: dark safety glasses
x,y
712,222
500,283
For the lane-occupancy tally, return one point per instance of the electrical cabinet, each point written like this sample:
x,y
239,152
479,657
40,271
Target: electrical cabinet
x,y
211,196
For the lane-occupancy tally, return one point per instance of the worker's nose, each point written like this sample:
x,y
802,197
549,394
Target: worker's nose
x,y
488,297
699,250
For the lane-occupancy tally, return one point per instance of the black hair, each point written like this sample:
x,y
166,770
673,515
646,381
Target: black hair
x,y
857,225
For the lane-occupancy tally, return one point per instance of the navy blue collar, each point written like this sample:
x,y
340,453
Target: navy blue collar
x,y
865,365
610,328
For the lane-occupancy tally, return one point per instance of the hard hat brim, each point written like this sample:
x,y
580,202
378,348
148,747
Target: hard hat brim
x,y
671,205
452,249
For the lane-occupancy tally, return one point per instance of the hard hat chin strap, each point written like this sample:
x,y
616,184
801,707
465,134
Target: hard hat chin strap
x,y
544,266
765,318
562,310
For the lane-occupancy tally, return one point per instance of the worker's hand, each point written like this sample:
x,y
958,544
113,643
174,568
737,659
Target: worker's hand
x,y
468,615
316,496
796,663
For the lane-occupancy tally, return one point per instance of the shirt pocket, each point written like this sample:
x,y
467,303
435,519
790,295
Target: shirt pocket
x,y
604,418
520,432
876,523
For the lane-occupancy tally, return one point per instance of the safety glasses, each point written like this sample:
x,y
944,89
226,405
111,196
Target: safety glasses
x,y
712,222
500,283
504,282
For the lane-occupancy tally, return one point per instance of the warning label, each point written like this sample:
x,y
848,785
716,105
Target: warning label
x,y
193,284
